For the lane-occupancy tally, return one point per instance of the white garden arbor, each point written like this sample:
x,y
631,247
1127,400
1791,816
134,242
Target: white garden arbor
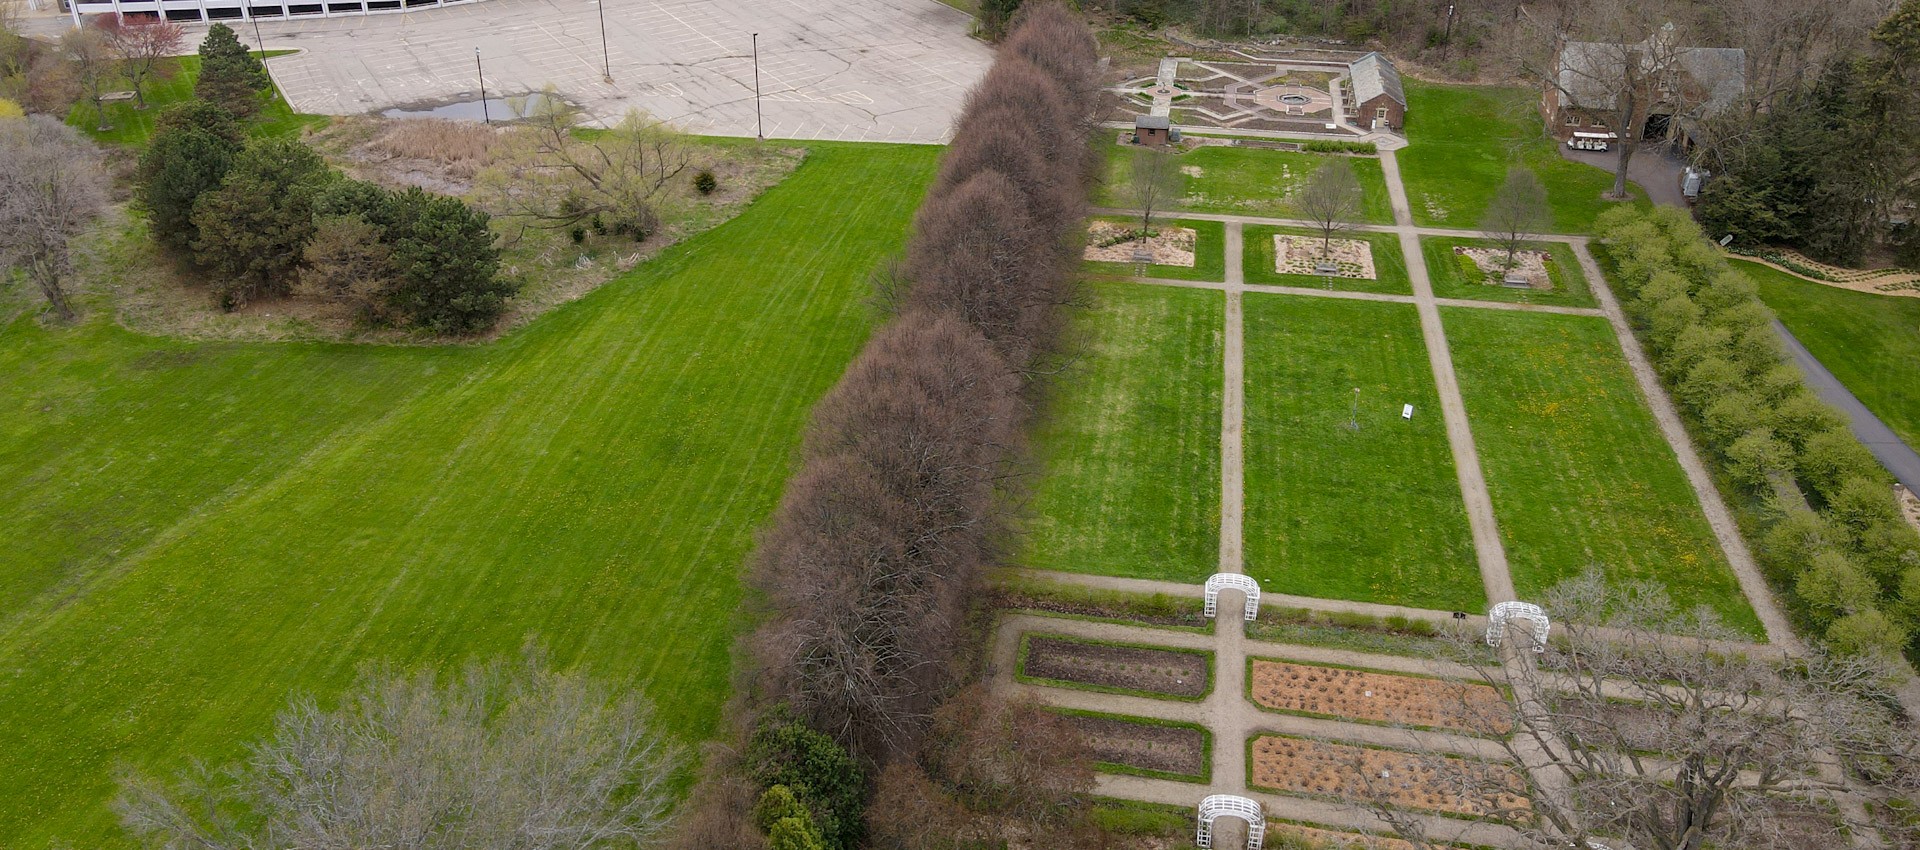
x,y
1217,806
1233,581
1503,612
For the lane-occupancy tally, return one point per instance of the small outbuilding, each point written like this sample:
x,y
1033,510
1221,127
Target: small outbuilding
x,y
1378,98
1153,130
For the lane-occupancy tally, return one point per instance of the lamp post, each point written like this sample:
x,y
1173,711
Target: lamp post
x,y
484,116
606,58
759,125
262,42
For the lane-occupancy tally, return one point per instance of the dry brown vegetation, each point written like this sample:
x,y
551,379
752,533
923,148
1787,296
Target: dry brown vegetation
x,y
462,147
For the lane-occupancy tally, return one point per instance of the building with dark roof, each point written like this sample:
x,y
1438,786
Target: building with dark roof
x,y
1153,130
1673,88
1380,103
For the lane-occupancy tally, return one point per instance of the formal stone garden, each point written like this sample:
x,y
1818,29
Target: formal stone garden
x,y
1117,242
1353,258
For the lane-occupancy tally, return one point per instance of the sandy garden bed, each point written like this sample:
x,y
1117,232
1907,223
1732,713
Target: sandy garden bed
x,y
1132,668
1531,265
1145,746
1169,246
1378,697
1300,254
1301,766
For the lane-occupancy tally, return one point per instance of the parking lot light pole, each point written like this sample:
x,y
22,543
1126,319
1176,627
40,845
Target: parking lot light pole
x,y
483,86
605,57
759,126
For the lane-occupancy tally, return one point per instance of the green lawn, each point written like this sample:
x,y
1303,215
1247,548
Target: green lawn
x,y
1578,470
196,531
1373,514
132,127
1130,440
1463,139
1243,181
1450,277
1209,251
1870,342
1389,267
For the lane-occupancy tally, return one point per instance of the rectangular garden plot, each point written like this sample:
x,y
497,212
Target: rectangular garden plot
x,y
1372,513
1181,249
1243,181
1163,749
1130,439
1576,465
1389,268
1116,668
1348,772
1470,269
1372,697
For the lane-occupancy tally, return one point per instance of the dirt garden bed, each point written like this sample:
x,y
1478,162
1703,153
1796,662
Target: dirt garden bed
x,y
1108,242
1376,697
1300,254
1120,668
1326,839
1488,266
1153,749
1324,769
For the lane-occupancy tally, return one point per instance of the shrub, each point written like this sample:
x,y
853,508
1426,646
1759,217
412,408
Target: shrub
x,y
705,183
448,265
816,771
1336,146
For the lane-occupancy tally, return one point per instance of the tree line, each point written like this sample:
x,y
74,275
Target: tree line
x,y
1834,162
1829,529
869,564
269,218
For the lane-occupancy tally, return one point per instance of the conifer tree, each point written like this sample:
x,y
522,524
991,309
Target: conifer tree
x,y
230,76
193,146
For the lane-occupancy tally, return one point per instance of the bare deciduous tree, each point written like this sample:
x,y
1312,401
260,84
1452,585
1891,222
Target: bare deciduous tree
x,y
51,188
1519,212
1330,199
492,759
92,62
978,254
1647,723
1156,178
558,179
140,43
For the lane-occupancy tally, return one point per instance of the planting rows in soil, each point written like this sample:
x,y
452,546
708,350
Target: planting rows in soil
x,y
1377,697
1301,766
1322,839
1128,669
1148,747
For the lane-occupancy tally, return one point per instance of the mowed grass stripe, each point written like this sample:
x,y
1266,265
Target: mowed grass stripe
x,y
1372,514
1577,468
1130,440
592,482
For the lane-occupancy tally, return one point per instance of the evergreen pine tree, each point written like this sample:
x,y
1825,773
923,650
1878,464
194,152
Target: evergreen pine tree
x,y
230,76
448,265
193,146
253,228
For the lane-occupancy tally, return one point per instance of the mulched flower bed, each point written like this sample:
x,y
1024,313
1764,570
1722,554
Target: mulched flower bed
x,y
1145,746
1133,668
1378,697
1320,768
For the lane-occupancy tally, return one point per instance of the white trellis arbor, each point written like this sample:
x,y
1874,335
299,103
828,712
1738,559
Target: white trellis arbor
x,y
1505,611
1234,581
1227,805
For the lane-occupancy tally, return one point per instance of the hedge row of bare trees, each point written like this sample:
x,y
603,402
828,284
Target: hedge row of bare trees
x,y
868,561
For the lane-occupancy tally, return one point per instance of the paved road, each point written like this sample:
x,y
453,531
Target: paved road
x,y
1896,456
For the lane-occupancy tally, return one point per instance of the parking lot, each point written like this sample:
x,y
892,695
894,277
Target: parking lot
x,y
856,70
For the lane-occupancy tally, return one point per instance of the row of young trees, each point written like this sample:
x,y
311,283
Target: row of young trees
x,y
869,560
1829,525
1834,161
269,218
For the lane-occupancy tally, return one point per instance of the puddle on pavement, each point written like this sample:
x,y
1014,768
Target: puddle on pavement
x,y
510,108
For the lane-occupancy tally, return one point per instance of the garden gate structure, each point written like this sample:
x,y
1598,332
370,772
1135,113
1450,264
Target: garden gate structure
x,y
1235,581
1505,611
1218,805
